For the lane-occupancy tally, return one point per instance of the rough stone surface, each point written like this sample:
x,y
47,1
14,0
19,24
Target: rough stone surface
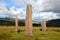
x,y
16,23
28,22
43,24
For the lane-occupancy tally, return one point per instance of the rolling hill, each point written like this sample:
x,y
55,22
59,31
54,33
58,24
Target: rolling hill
x,y
11,22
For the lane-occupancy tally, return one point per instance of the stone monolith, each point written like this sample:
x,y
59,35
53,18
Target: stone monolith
x,y
28,21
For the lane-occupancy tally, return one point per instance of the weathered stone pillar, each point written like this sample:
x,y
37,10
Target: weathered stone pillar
x,y
43,24
28,21
16,23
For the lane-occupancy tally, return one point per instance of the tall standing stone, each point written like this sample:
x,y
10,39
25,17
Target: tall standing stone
x,y
16,23
43,24
28,21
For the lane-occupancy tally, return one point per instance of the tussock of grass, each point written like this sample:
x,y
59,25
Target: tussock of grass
x,y
5,35
57,30
8,33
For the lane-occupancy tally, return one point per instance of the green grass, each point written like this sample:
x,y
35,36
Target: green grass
x,y
8,33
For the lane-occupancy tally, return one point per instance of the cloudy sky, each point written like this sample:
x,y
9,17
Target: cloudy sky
x,y
48,9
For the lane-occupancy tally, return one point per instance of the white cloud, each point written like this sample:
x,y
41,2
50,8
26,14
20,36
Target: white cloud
x,y
3,8
45,15
23,1
39,5
45,5
22,14
42,5
12,10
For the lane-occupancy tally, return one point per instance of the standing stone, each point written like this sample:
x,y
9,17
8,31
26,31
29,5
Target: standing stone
x,y
16,23
43,24
28,21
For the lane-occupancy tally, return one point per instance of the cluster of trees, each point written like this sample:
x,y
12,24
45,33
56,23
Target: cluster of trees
x,y
23,24
11,22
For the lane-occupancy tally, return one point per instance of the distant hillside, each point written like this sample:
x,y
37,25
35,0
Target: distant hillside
x,y
11,22
54,22
6,20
